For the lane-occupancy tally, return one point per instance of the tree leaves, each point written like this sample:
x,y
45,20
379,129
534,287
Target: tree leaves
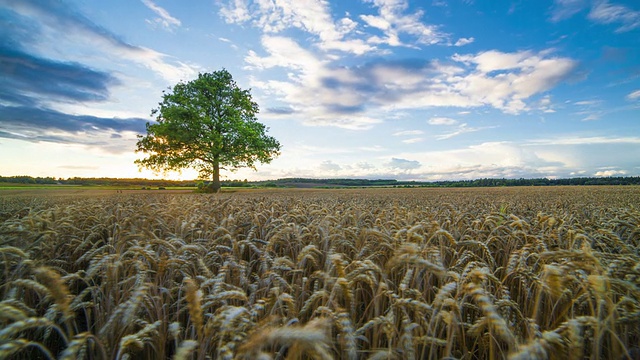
x,y
207,124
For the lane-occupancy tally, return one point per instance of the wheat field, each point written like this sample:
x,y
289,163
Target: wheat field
x,y
514,273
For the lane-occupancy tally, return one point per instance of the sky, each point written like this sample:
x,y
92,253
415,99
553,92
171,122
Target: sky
x,y
409,90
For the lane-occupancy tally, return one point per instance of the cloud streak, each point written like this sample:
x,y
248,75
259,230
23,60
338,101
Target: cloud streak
x,y
37,78
165,19
605,13
441,121
43,125
634,95
462,129
43,120
601,12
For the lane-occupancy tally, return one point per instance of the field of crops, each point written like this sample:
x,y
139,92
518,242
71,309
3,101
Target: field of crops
x,y
519,273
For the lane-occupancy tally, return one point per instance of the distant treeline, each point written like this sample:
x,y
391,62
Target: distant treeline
x,y
305,182
94,181
630,180
300,182
111,182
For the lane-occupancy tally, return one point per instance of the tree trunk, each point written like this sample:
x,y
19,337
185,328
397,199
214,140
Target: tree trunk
x,y
215,186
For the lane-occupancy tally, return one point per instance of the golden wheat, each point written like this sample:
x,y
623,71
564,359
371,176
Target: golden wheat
x,y
355,274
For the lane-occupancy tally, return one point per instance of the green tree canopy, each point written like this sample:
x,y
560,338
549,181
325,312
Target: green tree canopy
x,y
208,124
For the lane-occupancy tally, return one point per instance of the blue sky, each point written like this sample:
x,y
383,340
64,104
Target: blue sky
x,y
421,90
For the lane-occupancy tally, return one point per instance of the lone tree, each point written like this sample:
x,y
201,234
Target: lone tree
x,y
208,124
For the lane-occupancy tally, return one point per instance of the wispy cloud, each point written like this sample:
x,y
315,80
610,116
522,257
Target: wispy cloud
x,y
441,121
413,140
464,41
589,110
20,119
461,129
635,95
564,9
408,133
36,78
626,18
588,102
42,125
600,12
545,105
165,19
593,140
592,117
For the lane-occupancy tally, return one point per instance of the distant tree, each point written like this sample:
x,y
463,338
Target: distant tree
x,y
208,124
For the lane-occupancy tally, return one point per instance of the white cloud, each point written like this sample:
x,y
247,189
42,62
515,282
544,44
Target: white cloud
x,y
594,140
236,11
330,166
607,173
494,60
462,129
635,95
376,22
592,117
365,166
165,19
530,158
305,91
605,13
490,160
408,132
171,71
403,164
521,75
564,9
505,80
284,52
87,38
225,40
564,156
441,121
587,102
464,41
412,140
341,121
311,16
394,22
545,104
601,12
357,97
